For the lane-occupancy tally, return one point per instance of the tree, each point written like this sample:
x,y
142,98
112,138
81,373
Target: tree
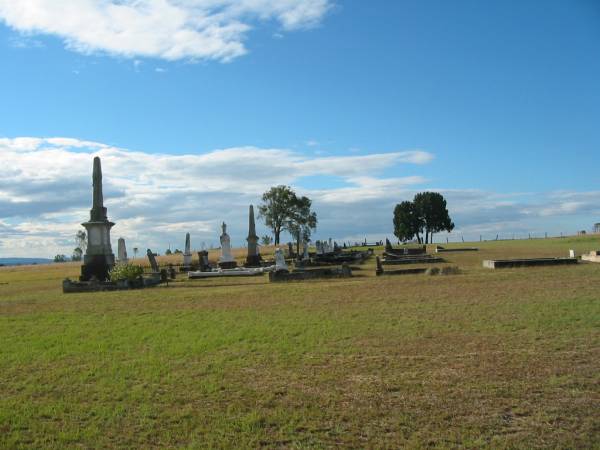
x,y
266,240
427,213
60,259
77,254
81,240
406,222
276,208
301,220
433,213
135,252
168,251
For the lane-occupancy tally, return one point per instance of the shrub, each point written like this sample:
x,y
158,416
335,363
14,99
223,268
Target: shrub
x,y
126,272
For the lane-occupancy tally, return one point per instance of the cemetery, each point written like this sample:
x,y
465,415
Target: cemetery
x,y
244,336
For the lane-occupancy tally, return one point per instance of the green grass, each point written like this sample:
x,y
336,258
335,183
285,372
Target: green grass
x,y
499,359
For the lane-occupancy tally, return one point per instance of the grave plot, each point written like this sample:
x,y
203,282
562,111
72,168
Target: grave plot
x,y
527,262
439,249
408,259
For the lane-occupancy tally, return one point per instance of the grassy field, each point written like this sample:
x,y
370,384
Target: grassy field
x,y
500,359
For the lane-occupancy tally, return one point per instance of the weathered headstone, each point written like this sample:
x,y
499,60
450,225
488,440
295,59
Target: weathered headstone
x,y
204,265
253,259
122,252
152,260
226,261
280,264
187,254
99,258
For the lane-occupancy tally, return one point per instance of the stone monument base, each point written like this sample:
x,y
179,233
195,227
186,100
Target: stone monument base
x,y
97,266
227,264
253,261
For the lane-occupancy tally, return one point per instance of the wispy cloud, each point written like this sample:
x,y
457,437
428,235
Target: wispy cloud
x,y
167,29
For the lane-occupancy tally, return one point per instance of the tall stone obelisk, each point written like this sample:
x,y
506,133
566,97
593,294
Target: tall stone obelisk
x,y
253,259
99,258
187,254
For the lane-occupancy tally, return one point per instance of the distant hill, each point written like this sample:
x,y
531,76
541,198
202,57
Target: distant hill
x,y
23,261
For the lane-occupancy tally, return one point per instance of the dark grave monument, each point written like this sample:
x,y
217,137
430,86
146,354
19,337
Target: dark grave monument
x,y
152,261
204,265
439,249
99,258
530,262
310,274
253,259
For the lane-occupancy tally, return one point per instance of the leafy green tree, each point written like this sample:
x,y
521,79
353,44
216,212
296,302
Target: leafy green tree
x,y
406,222
168,251
60,259
433,214
427,213
302,221
266,240
277,208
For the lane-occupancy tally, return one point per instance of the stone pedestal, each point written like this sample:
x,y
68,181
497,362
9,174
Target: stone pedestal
x,y
227,264
99,258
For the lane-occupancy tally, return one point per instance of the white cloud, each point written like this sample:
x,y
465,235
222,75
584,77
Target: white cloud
x,y
45,192
167,29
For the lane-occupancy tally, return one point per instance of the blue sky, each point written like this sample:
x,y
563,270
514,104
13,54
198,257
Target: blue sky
x,y
502,97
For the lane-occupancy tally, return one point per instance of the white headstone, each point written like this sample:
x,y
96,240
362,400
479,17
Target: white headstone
x,y
280,263
305,255
122,252
226,255
571,253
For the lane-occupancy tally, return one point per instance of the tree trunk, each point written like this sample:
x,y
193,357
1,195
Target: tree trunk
x,y
277,232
